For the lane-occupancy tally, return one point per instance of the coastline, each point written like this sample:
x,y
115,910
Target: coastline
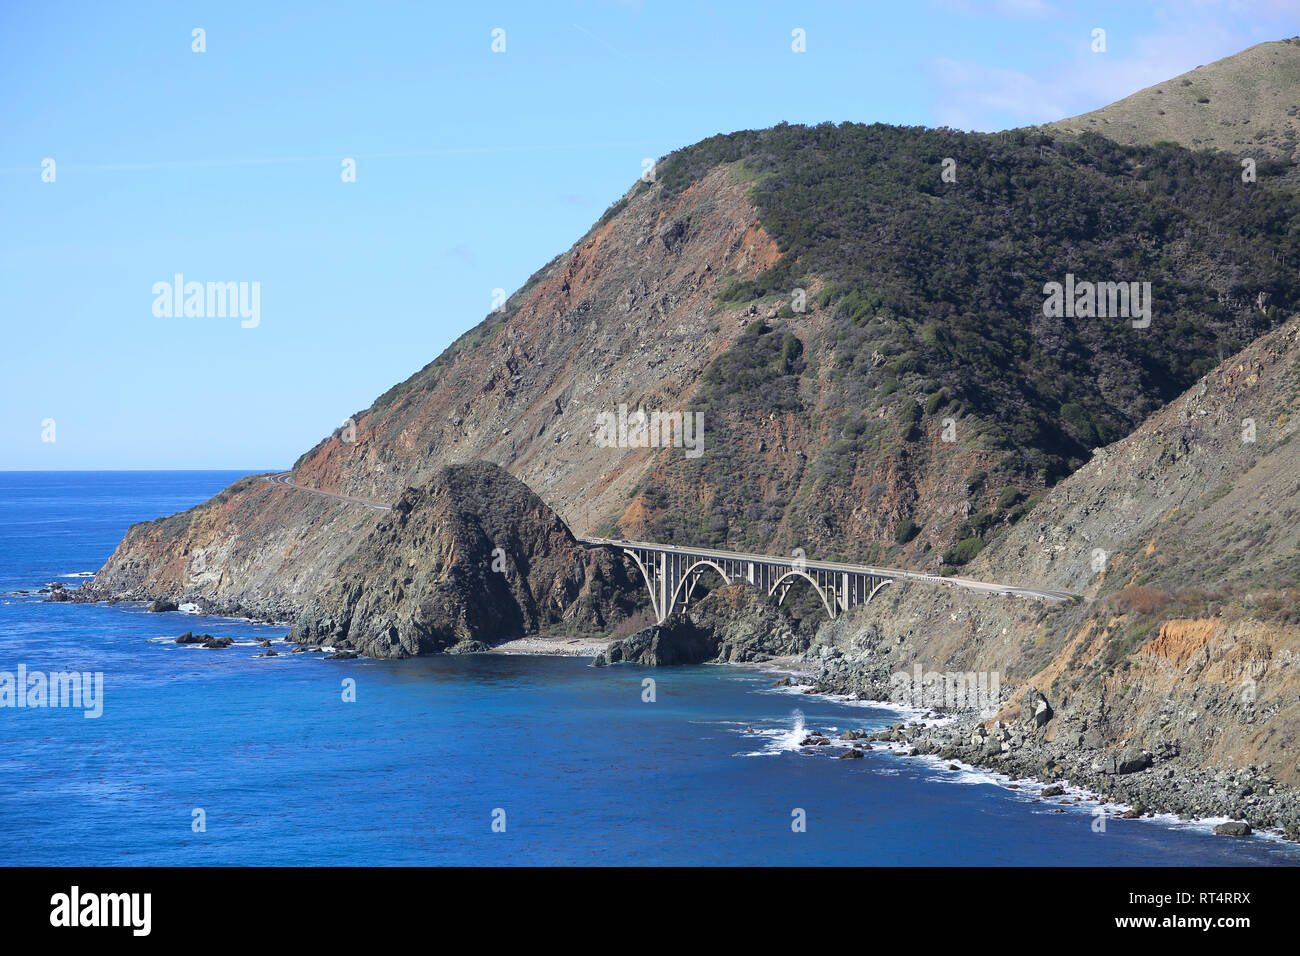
x,y
546,647
935,737
1192,796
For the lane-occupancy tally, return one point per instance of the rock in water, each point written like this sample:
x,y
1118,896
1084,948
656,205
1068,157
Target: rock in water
x,y
1236,828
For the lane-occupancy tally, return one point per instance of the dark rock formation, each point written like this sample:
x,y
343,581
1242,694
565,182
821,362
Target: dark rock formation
x,y
731,625
468,559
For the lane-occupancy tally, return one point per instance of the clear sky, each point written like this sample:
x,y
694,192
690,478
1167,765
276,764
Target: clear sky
x,y
473,169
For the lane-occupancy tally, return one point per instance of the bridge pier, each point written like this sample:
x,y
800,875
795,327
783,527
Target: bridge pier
x,y
671,576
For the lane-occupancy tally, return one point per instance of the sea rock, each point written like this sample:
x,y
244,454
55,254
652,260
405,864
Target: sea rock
x,y
1236,828
217,642
1131,760
733,624
162,605
468,647
662,645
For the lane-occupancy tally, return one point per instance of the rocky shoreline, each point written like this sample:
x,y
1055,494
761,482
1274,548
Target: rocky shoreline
x,y
1025,736
1016,744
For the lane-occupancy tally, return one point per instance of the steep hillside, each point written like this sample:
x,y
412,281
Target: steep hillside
x,y
1186,649
1247,104
1206,492
865,343
934,329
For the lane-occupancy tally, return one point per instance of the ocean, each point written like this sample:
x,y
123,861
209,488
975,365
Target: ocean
x,y
221,757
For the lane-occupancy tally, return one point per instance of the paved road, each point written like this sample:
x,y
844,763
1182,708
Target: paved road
x,y
893,573
1047,594
282,478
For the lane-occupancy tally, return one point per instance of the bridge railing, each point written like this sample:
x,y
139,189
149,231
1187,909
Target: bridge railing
x,y
671,574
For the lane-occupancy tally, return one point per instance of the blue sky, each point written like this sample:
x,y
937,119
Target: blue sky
x,y
473,169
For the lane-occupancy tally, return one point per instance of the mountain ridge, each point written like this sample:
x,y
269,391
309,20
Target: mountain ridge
x,y
825,426
1241,104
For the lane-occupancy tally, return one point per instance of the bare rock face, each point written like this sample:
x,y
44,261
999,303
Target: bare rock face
x,y
468,559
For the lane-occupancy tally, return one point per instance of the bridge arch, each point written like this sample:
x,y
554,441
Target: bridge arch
x,y
671,575
649,577
690,577
784,582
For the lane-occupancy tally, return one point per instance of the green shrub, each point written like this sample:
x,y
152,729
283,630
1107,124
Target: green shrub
x,y
1009,497
963,551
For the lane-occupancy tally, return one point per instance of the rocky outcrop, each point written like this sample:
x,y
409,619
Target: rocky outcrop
x,y
733,624
468,559
257,550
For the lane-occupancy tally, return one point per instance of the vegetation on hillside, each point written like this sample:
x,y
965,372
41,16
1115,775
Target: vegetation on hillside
x,y
936,289
945,280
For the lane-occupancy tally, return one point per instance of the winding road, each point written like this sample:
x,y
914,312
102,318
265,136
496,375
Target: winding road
x,y
282,478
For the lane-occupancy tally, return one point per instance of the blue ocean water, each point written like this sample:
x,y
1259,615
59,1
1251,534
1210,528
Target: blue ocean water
x,y
414,771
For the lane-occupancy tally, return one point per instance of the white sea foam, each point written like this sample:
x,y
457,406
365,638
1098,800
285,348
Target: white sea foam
x,y
794,737
79,574
190,608
784,738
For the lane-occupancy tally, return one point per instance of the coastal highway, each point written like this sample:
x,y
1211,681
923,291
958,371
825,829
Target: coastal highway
x,y
282,478
1006,590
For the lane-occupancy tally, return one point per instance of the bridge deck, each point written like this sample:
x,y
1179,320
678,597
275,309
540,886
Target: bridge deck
x,y
837,567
